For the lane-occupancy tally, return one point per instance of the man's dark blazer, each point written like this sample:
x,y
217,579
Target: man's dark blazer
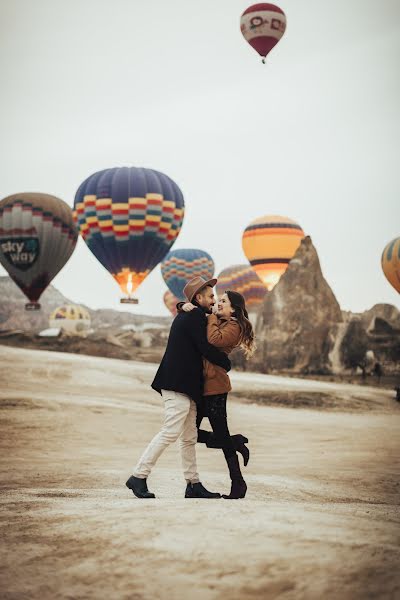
x,y
181,368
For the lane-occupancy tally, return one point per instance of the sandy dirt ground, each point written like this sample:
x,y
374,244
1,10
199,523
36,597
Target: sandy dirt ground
x,y
320,520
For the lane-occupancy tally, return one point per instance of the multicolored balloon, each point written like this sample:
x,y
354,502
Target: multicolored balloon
x,y
262,26
270,243
72,318
179,266
170,302
37,237
129,217
391,263
242,279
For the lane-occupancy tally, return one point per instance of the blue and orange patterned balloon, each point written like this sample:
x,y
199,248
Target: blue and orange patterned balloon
x,y
129,217
242,279
37,237
179,266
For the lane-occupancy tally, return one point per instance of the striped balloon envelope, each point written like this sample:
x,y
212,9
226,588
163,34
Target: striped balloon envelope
x,y
37,237
129,218
391,263
262,26
179,266
270,243
242,279
170,302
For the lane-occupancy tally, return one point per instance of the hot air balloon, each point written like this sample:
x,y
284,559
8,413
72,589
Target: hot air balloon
x,y
262,26
269,244
129,217
72,318
170,302
37,237
179,266
242,279
391,263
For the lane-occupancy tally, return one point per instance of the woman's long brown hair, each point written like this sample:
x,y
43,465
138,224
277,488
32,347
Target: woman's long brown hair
x,y
247,339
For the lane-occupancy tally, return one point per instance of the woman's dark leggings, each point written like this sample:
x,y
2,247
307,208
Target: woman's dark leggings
x,y
220,435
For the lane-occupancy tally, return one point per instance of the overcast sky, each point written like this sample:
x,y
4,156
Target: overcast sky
x,y
171,85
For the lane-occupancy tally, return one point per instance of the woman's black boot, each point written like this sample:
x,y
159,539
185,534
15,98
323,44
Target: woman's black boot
x,y
238,487
239,442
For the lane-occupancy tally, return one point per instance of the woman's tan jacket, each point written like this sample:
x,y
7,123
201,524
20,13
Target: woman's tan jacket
x,y
224,335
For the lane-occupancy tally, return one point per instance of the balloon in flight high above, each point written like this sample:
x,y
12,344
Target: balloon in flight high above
x,y
129,218
37,237
181,265
391,263
269,243
262,26
170,302
244,280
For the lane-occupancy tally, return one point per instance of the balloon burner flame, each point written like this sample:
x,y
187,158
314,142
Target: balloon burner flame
x,y
129,285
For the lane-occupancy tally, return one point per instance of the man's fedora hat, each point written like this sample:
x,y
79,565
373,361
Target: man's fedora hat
x,y
196,284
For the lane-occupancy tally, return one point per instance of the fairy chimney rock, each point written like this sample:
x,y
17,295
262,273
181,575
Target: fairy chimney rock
x,y
297,315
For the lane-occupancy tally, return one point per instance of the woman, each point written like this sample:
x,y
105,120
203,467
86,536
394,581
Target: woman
x,y
229,328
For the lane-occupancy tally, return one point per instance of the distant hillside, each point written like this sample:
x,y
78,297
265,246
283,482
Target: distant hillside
x,y
14,316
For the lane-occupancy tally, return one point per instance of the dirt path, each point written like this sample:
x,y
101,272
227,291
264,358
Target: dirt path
x,y
321,518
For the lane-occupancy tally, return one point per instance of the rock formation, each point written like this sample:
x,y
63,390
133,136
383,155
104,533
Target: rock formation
x,y
294,325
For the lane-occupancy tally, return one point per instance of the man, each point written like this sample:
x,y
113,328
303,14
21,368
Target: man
x,y
179,380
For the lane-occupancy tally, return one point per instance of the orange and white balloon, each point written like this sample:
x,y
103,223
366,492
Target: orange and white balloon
x,y
269,243
391,263
170,302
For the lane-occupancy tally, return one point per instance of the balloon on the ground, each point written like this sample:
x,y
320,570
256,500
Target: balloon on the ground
x,y
170,302
72,318
242,279
391,263
37,237
269,243
179,266
262,26
129,217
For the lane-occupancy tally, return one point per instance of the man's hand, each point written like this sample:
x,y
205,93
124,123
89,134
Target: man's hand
x,y
188,306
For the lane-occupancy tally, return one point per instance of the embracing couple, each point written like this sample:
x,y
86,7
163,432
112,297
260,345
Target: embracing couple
x,y
193,382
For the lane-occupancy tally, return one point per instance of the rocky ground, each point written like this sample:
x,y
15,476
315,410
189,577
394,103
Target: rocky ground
x,y
321,518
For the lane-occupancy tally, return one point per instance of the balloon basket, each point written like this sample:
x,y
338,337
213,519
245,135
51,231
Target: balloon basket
x,y
32,306
129,301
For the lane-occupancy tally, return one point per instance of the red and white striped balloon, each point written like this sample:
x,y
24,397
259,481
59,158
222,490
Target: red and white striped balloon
x,y
262,26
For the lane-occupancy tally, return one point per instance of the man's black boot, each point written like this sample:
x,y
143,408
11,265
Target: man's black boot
x,y
139,487
197,490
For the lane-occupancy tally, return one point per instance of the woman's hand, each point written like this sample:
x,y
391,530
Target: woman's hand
x,y
188,306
